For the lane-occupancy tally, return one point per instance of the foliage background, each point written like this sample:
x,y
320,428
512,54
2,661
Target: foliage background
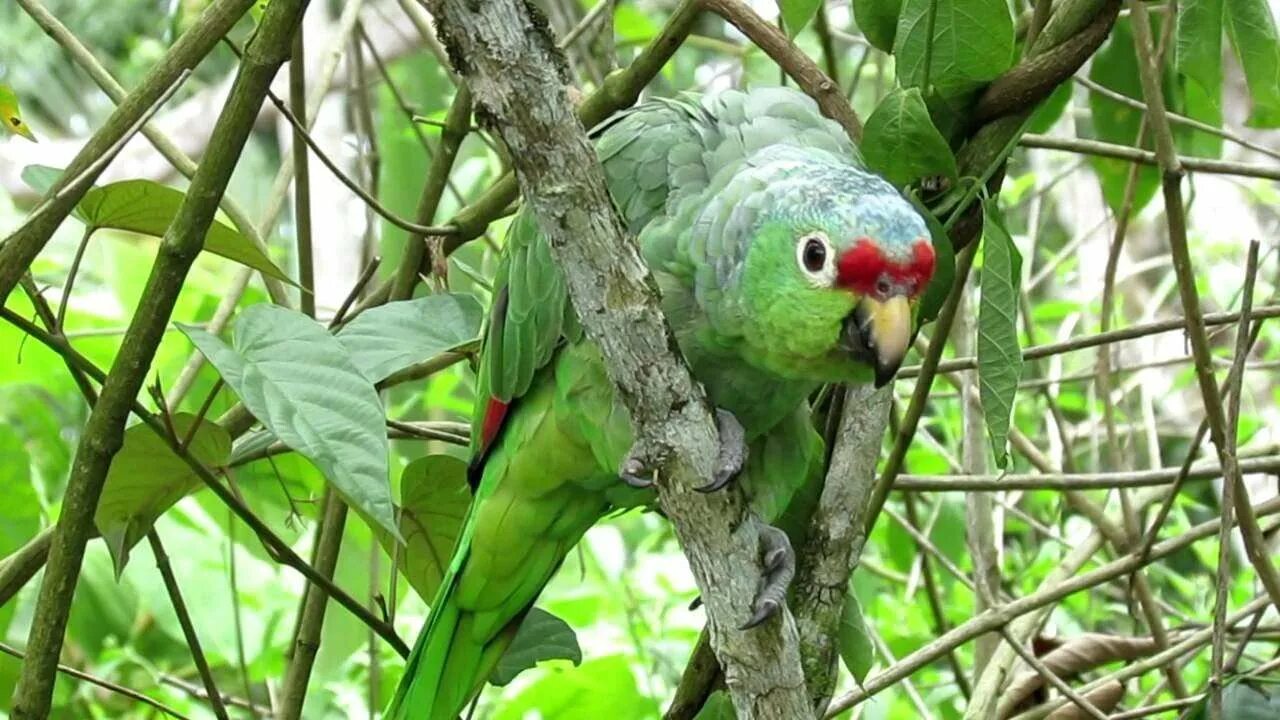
x,y
626,591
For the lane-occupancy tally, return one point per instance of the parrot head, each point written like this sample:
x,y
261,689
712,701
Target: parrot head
x,y
833,271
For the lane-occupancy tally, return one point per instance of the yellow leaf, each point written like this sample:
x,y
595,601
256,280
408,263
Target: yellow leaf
x,y
12,115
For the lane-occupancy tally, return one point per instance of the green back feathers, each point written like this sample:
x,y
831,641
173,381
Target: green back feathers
x,y
662,159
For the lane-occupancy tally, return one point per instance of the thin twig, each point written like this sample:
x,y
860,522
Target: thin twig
x,y
1231,485
104,684
1147,157
184,621
301,174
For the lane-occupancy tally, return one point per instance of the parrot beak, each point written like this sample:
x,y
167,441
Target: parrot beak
x,y
879,333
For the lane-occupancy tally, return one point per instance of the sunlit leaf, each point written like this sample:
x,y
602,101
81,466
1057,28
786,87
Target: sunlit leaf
x,y
796,14
972,43
878,21
999,355
148,208
301,383
20,510
11,114
542,636
1252,30
147,477
391,337
434,497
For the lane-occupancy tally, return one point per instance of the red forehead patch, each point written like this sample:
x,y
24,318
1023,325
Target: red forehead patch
x,y
862,266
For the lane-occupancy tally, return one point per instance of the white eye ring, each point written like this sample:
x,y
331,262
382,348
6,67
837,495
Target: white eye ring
x,y
816,259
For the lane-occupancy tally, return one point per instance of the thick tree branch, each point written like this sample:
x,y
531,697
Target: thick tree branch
x,y
519,82
104,432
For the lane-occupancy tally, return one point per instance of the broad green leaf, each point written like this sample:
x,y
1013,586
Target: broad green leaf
x,y
796,14
944,270
11,114
147,477
1115,66
603,687
434,497
901,143
972,43
148,208
999,356
1252,30
20,510
878,21
542,636
389,338
1050,109
301,383
717,707
1198,46
855,642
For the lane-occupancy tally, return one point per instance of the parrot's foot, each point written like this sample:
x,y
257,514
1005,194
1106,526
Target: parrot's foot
x,y
729,461
733,451
633,475
779,568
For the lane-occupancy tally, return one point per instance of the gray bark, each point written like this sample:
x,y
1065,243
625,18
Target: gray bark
x,y
519,81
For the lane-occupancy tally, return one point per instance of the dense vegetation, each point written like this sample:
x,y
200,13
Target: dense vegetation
x,y
1092,399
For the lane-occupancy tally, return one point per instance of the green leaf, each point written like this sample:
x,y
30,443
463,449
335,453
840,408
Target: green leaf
x,y
1198,48
302,384
999,356
148,208
1252,31
389,338
944,270
542,636
1116,67
147,477
20,511
878,21
717,707
796,14
434,498
855,641
972,43
1050,109
901,143
11,114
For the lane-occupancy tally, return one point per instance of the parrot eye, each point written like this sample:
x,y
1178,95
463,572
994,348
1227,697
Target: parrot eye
x,y
813,254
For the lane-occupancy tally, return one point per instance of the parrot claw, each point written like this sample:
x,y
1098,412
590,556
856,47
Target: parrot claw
x,y
779,569
733,451
633,475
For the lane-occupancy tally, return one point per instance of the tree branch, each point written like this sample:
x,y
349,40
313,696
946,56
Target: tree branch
x,y
518,79
104,431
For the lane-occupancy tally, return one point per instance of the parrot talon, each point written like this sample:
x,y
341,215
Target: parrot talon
x,y
632,474
779,568
733,451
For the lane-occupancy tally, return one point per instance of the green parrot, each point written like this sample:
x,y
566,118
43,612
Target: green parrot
x,y
783,264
